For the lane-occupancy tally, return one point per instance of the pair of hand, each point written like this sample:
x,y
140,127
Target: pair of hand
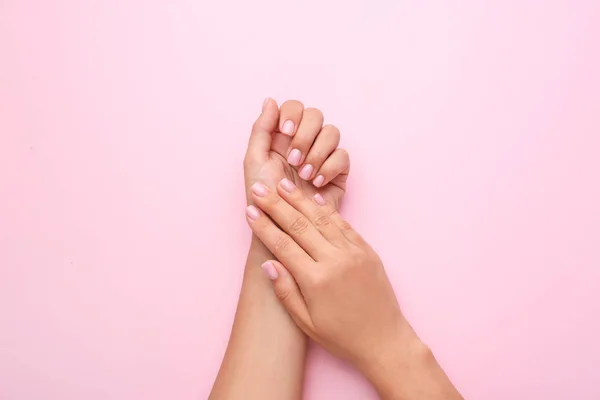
x,y
327,277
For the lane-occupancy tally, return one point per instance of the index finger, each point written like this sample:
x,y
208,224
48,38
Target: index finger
x,y
287,251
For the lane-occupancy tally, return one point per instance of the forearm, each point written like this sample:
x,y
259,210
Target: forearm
x,y
266,352
411,372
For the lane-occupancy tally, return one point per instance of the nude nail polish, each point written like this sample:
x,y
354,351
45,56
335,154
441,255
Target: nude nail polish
x,y
319,180
287,185
252,213
306,172
319,199
288,128
294,157
259,189
270,270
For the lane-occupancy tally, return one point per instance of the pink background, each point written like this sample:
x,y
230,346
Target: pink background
x,y
474,131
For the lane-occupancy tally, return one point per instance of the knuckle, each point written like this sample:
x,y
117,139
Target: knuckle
x,y
318,281
344,155
299,226
292,105
332,131
283,293
345,225
342,178
314,113
282,243
322,220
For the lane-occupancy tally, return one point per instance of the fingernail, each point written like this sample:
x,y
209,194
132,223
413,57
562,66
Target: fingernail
x,y
259,189
252,213
306,172
265,103
270,270
287,185
294,157
319,181
319,199
288,128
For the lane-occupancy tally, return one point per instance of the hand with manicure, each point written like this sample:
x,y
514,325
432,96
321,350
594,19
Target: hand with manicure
x,y
334,286
292,143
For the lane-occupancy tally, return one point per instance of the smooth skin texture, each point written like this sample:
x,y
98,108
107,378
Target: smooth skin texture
x,y
334,286
266,351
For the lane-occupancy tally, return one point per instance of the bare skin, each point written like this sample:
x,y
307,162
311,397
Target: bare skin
x,y
335,288
266,352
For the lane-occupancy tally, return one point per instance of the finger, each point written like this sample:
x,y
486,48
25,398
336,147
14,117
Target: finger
x,y
290,117
278,242
262,131
343,226
347,230
287,291
290,220
325,144
316,213
335,170
310,126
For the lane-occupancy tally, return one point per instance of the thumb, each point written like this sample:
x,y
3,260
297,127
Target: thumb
x,y
287,291
262,131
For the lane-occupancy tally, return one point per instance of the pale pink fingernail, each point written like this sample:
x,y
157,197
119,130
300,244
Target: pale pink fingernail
x,y
259,189
287,185
318,182
319,199
252,213
270,270
265,103
294,157
306,172
288,128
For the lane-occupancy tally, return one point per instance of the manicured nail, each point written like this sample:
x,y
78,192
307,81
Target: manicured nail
x,y
259,189
306,172
319,199
318,182
287,185
252,213
265,103
288,128
294,157
270,270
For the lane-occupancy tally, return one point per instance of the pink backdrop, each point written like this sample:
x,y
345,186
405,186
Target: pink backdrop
x,y
474,130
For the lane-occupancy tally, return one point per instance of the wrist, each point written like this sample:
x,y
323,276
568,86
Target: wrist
x,y
398,353
410,371
389,372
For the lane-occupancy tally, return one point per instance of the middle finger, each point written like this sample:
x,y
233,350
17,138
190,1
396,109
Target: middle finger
x,y
310,126
290,220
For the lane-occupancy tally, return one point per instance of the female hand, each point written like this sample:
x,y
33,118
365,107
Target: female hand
x,y
338,291
292,143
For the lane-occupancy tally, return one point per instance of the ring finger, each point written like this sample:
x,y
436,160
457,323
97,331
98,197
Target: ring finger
x,y
325,144
315,210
